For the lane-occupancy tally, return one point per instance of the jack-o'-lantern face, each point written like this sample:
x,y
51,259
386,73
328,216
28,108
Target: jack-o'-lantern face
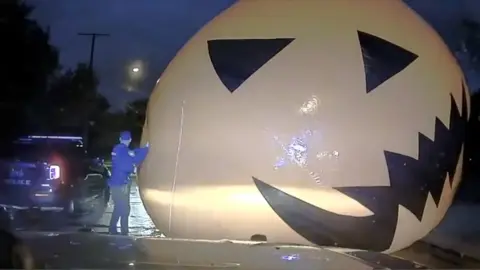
x,y
347,117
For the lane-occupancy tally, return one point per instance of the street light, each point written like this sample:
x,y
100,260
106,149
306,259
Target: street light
x,y
135,73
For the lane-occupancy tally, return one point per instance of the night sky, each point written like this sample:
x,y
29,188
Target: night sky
x,y
148,30
154,30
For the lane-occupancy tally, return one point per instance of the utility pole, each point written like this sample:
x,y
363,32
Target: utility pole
x,y
90,67
92,45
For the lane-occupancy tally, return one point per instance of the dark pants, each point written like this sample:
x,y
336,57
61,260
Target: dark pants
x,y
121,208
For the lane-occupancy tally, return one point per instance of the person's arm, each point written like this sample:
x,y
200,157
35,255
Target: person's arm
x,y
139,155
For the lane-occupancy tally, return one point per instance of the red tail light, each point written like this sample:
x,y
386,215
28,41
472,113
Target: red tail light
x,y
56,169
54,172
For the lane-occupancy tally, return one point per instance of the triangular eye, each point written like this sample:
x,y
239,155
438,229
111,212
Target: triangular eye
x,y
235,60
382,59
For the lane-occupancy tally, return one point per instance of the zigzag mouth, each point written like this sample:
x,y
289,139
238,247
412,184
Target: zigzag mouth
x,y
411,181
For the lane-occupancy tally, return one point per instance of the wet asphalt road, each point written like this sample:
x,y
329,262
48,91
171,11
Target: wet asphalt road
x,y
96,216
139,222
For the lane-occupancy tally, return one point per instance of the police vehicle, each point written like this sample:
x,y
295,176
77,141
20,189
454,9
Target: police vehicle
x,y
51,173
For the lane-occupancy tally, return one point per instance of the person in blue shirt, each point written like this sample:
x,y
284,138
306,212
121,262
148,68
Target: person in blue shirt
x,y
124,162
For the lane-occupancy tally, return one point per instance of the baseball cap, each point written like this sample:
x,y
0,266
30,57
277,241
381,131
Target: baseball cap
x,y
125,135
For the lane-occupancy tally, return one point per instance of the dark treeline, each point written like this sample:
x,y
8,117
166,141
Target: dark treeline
x,y
39,96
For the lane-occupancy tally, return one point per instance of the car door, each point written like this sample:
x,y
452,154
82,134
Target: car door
x,y
95,182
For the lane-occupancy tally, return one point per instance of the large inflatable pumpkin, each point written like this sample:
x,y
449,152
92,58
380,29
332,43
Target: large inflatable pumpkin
x,y
333,123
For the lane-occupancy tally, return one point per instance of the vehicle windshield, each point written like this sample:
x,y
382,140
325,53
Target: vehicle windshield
x,y
288,126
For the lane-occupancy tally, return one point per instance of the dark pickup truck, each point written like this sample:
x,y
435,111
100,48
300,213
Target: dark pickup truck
x,y
51,173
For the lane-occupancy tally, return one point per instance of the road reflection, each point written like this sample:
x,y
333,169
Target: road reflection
x,y
97,218
139,222
141,225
